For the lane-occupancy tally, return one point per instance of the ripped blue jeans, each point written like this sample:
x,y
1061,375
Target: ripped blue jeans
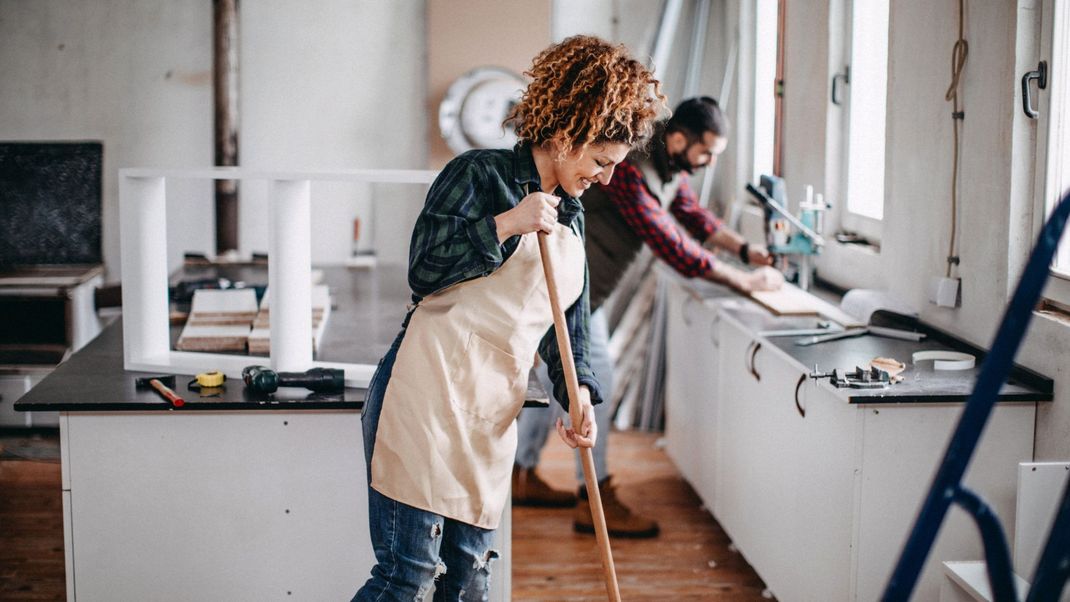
x,y
416,550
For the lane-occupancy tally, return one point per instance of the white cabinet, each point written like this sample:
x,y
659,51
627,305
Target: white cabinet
x,y
819,494
690,394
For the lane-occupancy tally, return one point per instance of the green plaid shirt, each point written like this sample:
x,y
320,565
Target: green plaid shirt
x,y
455,239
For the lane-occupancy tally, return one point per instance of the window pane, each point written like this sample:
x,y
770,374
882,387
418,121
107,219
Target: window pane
x,y
1059,121
868,89
764,85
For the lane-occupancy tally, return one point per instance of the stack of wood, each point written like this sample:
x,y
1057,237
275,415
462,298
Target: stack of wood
x,y
219,320
260,337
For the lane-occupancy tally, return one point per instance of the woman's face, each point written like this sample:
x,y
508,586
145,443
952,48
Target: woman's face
x,y
582,167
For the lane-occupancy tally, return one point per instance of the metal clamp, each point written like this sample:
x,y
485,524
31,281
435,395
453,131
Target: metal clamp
x,y
1041,75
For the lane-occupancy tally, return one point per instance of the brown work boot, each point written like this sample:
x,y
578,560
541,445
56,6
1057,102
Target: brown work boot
x,y
530,490
620,521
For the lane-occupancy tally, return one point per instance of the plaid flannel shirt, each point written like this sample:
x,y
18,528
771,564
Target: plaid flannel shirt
x,y
651,222
455,239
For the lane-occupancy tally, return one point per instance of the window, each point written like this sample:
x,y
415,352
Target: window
x,y
765,76
1053,132
861,88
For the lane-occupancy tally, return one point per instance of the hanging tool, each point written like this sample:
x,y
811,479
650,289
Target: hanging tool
x,y
573,384
261,379
164,385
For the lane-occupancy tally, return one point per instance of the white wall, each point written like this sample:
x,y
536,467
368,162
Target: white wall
x,y
134,75
995,196
333,84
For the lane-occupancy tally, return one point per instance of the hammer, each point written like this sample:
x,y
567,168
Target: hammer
x,y
164,386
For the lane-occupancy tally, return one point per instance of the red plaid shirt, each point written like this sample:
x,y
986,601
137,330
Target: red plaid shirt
x,y
651,222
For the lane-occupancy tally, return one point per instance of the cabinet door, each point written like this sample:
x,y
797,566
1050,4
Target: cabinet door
x,y
679,411
705,330
786,470
754,444
823,480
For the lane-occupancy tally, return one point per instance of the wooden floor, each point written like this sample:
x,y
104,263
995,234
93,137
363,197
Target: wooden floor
x,y
31,528
690,560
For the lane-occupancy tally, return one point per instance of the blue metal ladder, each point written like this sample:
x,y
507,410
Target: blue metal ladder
x,y
1053,568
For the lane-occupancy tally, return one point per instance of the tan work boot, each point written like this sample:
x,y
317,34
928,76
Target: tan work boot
x,y
530,490
620,521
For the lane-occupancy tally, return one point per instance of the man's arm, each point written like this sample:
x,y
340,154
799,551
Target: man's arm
x,y
705,226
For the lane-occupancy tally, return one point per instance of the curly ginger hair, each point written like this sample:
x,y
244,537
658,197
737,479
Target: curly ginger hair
x,y
586,91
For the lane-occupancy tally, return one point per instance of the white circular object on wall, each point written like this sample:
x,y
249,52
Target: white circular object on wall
x,y
474,107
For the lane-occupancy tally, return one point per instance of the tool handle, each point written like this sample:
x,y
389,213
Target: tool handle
x,y
564,345
167,393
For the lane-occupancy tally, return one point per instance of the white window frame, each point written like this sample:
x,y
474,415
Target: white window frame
x,y
764,130
1053,133
869,227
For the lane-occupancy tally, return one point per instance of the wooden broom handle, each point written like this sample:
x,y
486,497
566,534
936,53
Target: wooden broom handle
x,y
564,345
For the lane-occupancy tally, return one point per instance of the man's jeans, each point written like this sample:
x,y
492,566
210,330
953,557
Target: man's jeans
x,y
535,424
415,549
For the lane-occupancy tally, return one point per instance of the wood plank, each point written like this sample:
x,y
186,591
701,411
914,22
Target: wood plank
x,y
791,300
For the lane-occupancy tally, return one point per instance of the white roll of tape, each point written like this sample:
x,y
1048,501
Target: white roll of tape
x,y
946,360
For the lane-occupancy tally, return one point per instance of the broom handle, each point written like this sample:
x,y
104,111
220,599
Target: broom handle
x,y
564,344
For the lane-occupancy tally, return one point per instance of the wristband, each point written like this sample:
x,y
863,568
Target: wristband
x,y
744,253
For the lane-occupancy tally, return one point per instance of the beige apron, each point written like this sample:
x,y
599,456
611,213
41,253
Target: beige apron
x,y
447,431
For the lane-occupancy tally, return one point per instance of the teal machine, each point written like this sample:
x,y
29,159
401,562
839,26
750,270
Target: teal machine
x,y
788,235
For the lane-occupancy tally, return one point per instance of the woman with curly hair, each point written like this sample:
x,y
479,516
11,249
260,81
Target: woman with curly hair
x,y
439,418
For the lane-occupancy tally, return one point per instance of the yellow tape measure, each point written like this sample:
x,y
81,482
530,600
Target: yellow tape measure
x,y
211,379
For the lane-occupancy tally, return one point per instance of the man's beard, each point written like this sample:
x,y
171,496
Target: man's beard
x,y
679,162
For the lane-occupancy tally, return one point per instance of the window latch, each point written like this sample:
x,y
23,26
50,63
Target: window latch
x,y
1041,75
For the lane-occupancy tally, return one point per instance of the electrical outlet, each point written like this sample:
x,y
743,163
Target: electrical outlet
x,y
945,292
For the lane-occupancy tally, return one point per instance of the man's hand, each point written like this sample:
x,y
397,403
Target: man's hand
x,y
759,255
762,279
588,432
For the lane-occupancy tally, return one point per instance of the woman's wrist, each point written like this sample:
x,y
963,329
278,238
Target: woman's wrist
x,y
503,226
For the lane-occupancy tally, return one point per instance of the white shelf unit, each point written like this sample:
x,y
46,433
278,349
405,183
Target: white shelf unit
x,y
142,202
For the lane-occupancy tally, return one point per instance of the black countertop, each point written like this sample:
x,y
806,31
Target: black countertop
x,y
921,384
368,306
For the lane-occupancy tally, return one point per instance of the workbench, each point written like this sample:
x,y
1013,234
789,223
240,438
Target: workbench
x,y
234,497
818,486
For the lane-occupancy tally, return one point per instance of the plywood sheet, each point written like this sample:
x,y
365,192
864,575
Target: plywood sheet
x,y
790,300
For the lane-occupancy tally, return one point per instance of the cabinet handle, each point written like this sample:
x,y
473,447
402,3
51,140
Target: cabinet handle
x,y
713,330
798,406
755,346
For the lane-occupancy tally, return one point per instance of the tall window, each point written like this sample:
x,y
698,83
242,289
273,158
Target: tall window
x,y
862,88
1053,130
765,74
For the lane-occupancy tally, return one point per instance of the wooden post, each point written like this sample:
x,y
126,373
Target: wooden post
x,y
225,97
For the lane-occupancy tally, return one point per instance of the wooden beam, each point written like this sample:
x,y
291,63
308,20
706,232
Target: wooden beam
x,y
225,98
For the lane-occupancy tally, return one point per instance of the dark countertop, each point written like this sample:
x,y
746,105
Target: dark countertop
x,y
921,384
368,306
